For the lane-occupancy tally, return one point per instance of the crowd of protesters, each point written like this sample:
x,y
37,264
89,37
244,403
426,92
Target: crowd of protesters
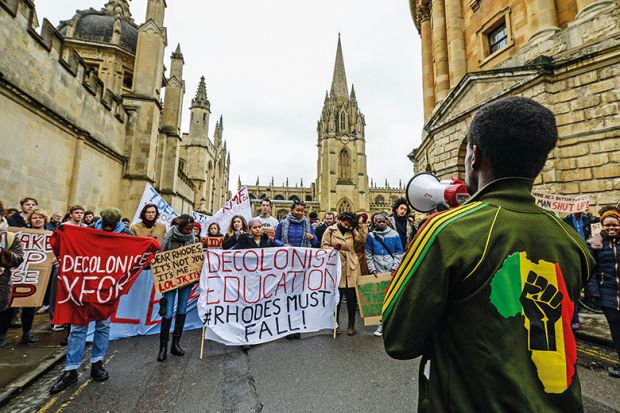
x,y
370,245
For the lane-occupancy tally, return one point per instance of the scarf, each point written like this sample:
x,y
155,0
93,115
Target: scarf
x,y
305,242
175,236
401,228
149,224
119,226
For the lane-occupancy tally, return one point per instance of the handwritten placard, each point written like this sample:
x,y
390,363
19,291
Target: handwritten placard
x,y
177,268
370,292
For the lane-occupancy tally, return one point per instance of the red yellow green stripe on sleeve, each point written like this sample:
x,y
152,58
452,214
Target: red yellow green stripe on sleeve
x,y
419,248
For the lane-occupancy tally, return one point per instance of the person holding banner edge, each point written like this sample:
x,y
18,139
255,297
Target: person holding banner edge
x,y
238,226
180,235
256,238
342,237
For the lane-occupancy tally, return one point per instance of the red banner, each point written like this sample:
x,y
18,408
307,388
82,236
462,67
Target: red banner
x,y
95,269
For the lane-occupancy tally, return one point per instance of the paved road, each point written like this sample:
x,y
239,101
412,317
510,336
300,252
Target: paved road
x,y
314,374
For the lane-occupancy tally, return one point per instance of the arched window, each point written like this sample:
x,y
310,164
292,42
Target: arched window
x,y
293,198
309,198
344,165
343,121
379,200
251,196
279,197
281,213
345,206
263,196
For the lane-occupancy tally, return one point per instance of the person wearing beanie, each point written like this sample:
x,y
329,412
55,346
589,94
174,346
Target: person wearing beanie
x,y
197,229
149,226
109,221
180,235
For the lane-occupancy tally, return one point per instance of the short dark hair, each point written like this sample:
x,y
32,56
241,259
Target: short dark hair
x,y
398,202
515,134
28,198
313,215
147,206
297,202
183,220
265,200
75,208
89,213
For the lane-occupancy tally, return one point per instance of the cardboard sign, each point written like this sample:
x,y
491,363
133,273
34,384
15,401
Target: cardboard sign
x,y
370,291
213,242
31,277
596,228
259,295
178,267
561,204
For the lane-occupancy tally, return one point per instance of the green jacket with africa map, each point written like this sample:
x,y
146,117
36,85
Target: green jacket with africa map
x,y
486,294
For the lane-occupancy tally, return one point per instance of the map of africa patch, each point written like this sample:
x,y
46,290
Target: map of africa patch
x,y
537,292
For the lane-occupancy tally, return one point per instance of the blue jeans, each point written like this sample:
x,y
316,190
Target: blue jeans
x,y
77,342
183,297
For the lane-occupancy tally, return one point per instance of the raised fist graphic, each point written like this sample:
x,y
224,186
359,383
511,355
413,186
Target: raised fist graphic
x,y
542,305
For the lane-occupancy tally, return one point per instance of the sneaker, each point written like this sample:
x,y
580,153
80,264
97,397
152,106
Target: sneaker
x,y
29,339
614,372
56,327
379,331
43,309
65,380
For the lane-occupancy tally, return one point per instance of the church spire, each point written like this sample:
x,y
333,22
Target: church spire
x,y
340,88
200,100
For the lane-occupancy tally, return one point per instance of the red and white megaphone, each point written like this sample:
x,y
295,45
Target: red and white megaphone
x,y
425,192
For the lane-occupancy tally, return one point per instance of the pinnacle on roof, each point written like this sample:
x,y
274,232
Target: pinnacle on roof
x,y
120,7
340,88
178,55
222,122
353,96
200,100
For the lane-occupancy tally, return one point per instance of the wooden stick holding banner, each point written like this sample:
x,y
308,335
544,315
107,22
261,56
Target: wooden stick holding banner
x,y
202,340
335,322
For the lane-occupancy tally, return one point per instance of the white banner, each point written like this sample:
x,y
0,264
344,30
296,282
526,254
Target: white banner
x,y
258,295
561,204
237,205
151,196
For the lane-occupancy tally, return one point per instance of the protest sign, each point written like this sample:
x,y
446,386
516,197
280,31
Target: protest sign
x,y
213,242
595,228
370,292
203,220
31,277
138,311
95,269
258,295
151,196
237,205
561,204
178,267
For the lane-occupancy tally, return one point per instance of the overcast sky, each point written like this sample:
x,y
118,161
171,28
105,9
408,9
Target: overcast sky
x,y
268,64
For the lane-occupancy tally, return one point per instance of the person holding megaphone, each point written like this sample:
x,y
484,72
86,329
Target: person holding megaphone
x,y
486,291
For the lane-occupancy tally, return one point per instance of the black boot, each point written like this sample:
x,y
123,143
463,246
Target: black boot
x,y
97,372
65,380
176,336
164,333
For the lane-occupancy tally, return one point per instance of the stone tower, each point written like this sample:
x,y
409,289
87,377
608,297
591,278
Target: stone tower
x,y
342,177
198,146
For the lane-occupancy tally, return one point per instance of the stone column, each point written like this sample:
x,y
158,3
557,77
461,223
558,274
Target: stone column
x,y
544,19
456,41
76,172
440,50
589,8
423,14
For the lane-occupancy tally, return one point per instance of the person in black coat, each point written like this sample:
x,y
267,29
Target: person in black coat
x,y
256,238
237,227
605,285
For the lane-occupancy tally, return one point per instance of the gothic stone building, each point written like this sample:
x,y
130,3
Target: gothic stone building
x,y
564,54
342,177
82,112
